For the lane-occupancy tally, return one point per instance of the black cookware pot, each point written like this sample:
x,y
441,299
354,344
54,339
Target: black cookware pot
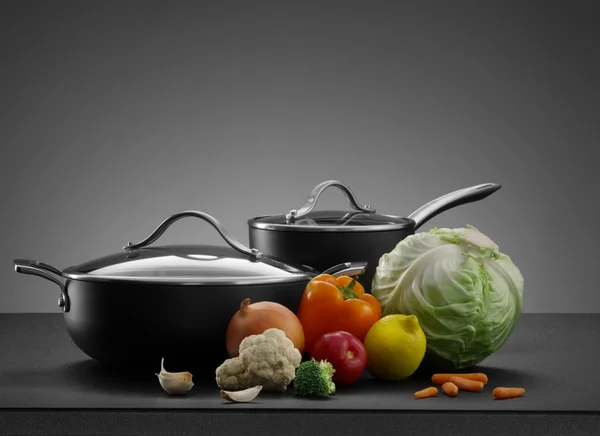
x,y
143,303
321,238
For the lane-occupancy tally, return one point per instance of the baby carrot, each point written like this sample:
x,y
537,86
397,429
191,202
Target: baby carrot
x,y
450,389
502,393
440,379
466,384
426,393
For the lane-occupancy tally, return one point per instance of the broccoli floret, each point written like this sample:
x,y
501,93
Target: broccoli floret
x,y
313,379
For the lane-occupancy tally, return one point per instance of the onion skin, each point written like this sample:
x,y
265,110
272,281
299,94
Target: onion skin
x,y
255,318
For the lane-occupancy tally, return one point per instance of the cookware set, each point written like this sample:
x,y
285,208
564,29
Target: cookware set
x,y
147,301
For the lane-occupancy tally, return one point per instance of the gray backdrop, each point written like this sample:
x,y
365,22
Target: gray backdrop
x,y
115,115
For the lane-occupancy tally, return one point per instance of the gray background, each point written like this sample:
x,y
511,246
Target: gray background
x,y
115,115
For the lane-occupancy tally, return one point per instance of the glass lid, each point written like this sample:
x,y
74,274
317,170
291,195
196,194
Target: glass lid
x,y
190,264
363,218
332,220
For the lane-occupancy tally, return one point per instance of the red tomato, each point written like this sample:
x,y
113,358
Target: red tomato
x,y
345,352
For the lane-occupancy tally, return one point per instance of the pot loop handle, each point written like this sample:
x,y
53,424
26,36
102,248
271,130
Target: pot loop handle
x,y
48,272
234,243
314,196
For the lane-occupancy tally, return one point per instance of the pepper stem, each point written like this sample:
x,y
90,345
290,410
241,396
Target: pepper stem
x,y
348,290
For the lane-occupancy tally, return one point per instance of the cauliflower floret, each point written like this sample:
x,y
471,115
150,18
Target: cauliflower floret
x,y
229,375
269,359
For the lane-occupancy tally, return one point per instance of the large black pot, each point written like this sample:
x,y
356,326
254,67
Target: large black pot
x,y
141,304
321,238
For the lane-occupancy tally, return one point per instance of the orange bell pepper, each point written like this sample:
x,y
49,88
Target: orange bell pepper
x,y
336,303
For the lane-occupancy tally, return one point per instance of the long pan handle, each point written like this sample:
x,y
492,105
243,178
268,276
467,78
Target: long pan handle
x,y
453,199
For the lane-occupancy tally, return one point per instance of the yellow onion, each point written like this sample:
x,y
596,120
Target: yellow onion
x,y
255,318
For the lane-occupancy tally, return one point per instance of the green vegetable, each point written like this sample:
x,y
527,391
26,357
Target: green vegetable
x,y
313,379
466,294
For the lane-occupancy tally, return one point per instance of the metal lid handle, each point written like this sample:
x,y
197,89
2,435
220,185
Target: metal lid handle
x,y
234,243
314,196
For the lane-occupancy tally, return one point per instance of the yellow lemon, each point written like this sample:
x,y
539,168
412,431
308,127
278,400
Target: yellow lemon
x,y
395,347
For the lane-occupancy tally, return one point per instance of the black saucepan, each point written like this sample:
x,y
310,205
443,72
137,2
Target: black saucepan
x,y
143,303
321,238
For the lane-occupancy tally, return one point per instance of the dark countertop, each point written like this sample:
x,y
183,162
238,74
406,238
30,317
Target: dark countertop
x,y
45,380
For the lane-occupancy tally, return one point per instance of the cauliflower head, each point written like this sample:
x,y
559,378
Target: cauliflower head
x,y
268,359
229,375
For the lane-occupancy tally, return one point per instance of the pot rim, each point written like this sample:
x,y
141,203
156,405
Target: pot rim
x,y
180,281
294,227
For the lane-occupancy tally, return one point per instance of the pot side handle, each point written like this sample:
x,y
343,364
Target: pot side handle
x,y
453,199
40,269
347,269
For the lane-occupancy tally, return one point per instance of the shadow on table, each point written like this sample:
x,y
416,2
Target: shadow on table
x,y
90,375
422,378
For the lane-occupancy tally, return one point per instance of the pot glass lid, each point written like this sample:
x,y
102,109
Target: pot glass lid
x,y
188,264
362,218
331,220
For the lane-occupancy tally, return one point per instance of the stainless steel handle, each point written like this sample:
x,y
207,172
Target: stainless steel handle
x,y
234,243
453,199
347,269
40,269
314,196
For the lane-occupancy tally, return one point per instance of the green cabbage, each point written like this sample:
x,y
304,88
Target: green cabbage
x,y
466,295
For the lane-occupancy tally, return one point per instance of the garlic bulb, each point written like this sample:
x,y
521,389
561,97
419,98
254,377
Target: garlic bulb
x,y
242,396
175,383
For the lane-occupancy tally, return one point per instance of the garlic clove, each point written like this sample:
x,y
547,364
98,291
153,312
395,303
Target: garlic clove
x,y
242,396
175,375
174,386
174,382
